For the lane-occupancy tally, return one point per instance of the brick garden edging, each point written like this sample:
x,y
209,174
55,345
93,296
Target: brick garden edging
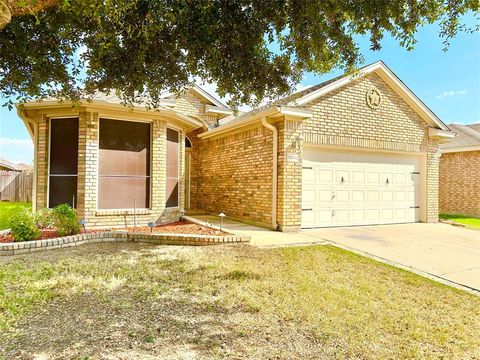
x,y
117,236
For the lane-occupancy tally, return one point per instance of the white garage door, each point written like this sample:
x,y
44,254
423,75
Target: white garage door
x,y
359,188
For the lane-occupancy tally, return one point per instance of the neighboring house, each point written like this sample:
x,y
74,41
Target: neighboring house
x,y
6,165
460,172
15,181
350,151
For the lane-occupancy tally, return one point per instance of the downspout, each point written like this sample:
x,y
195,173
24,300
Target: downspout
x,y
274,170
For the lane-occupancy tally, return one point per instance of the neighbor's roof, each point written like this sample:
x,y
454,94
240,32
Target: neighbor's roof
x,y
467,139
14,167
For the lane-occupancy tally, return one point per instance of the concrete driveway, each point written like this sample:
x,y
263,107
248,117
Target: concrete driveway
x,y
437,250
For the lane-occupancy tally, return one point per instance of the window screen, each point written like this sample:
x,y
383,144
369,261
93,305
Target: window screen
x,y
172,167
124,165
62,187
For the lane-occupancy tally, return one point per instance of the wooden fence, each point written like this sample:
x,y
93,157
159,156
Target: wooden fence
x,y
16,186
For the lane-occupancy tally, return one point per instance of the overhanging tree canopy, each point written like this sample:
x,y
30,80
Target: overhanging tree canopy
x,y
250,48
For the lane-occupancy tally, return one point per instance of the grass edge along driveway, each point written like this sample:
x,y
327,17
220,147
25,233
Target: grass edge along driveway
x,y
470,221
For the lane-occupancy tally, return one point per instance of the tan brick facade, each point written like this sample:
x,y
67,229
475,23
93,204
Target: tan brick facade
x,y
233,175
232,172
459,188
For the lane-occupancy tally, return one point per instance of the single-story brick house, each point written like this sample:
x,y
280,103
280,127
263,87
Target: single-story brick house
x,y
459,187
350,151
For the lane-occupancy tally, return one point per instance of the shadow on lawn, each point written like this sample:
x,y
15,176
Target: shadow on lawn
x,y
125,324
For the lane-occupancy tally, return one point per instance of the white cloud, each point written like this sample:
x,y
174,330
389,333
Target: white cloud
x,y
451,93
16,150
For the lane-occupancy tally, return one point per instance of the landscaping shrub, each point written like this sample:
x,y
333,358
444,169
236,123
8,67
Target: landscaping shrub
x,y
23,227
44,219
65,220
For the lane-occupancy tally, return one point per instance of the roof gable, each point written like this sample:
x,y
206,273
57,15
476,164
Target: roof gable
x,y
388,76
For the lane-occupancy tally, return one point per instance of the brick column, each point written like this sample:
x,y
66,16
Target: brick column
x,y
87,165
433,161
289,206
158,166
42,162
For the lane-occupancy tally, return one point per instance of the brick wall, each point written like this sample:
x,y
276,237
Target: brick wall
x,y
459,189
233,174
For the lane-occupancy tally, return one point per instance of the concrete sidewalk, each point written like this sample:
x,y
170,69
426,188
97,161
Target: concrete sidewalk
x,y
262,237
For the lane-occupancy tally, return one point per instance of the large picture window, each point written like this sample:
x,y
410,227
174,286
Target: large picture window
x,y
63,159
172,167
124,165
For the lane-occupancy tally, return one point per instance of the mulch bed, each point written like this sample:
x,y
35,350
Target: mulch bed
x,y
177,227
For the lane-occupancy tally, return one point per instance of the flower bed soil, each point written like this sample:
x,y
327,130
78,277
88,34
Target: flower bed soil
x,y
177,227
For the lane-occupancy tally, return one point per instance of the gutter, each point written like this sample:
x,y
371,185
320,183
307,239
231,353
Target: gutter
x,y
274,131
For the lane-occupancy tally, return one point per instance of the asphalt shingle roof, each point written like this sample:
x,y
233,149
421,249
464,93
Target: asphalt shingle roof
x,y
467,135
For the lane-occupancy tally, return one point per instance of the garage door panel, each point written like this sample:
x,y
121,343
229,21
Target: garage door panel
x,y
342,216
387,196
324,176
358,196
308,175
373,195
373,178
342,196
358,216
376,188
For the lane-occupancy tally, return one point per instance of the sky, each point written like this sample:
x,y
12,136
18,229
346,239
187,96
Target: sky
x,y
447,82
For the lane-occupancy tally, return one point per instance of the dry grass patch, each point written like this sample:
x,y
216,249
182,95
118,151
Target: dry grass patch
x,y
133,301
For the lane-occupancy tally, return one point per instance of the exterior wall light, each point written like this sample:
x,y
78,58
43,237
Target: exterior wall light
x,y
151,225
83,222
221,215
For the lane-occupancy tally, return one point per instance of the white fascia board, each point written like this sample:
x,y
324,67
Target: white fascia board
x,y
26,121
116,106
390,78
434,132
461,149
207,96
168,102
293,111
217,110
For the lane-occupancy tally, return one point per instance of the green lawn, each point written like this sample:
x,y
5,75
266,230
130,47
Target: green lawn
x,y
470,222
7,209
134,301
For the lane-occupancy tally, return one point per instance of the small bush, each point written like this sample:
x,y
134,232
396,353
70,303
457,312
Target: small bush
x,y
23,227
44,219
65,220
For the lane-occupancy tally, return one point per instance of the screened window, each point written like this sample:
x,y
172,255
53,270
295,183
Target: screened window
x,y
124,165
62,181
172,167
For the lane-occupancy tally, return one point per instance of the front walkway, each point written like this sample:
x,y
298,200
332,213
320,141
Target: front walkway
x,y
443,252
261,237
